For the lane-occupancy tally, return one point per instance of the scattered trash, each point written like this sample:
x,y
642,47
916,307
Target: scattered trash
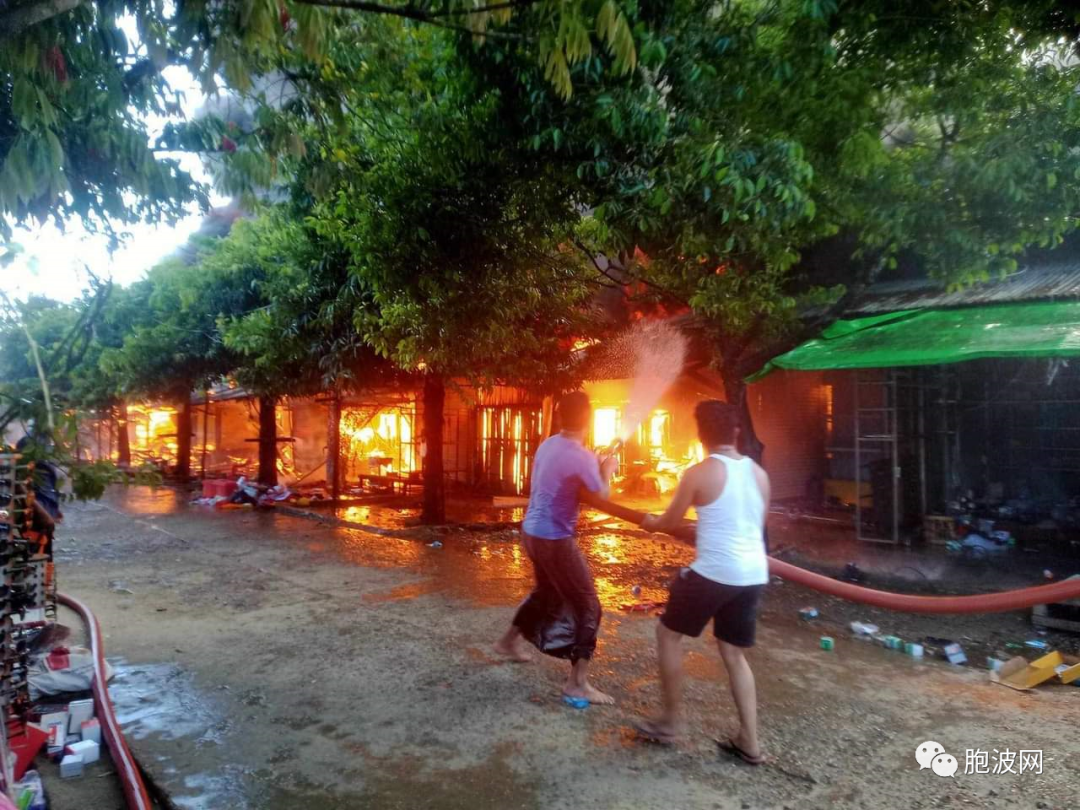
x,y
1048,574
641,607
864,628
914,650
808,613
1069,670
994,664
827,643
954,654
435,544
894,643
852,573
576,702
29,793
1037,644
1017,673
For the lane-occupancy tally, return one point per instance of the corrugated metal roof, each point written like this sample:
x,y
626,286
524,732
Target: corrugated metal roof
x,y
1042,282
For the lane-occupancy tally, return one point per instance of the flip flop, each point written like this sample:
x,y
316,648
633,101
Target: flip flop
x,y
731,748
647,730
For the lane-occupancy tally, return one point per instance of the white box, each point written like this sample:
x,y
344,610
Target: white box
x,y
91,730
88,750
57,736
70,766
78,711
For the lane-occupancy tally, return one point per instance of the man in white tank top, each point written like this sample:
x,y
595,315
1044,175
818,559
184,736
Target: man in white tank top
x,y
730,494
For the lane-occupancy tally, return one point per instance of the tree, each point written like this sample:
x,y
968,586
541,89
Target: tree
x,y
756,135
301,338
174,347
81,81
458,237
46,349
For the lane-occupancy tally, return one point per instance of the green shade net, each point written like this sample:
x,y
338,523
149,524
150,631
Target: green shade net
x,y
932,336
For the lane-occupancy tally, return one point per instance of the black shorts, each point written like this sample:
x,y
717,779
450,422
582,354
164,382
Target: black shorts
x,y
694,600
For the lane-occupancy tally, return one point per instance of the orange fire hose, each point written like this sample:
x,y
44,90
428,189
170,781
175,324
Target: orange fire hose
x,y
126,768
908,603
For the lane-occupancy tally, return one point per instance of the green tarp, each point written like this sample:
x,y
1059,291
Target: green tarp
x,y
932,336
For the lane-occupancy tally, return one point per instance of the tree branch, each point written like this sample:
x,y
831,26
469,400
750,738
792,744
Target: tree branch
x,y
410,13
16,20
482,9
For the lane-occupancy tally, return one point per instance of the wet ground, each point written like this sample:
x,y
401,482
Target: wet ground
x,y
271,661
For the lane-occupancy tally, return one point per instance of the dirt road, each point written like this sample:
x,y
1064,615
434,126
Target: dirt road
x,y
273,662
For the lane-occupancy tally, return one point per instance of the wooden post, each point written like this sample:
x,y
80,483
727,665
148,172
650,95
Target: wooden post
x,y
333,446
268,441
434,510
205,420
183,438
123,440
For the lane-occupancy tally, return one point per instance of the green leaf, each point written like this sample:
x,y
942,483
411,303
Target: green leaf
x,y
24,102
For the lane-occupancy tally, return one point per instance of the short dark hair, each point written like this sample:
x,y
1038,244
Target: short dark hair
x,y
717,422
574,411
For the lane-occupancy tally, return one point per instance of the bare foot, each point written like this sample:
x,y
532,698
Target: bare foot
x,y
749,752
512,652
658,731
590,693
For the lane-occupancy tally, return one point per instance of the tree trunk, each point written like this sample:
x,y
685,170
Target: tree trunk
x,y
183,438
123,440
736,392
268,441
434,511
333,447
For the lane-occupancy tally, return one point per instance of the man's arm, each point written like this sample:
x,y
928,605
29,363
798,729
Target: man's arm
x,y
676,511
597,486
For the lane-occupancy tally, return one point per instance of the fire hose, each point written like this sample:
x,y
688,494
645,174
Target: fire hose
x,y
126,767
907,603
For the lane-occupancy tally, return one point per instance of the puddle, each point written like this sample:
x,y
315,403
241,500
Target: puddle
x,y
179,728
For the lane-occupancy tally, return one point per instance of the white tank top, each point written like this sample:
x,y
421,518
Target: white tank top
x,y
730,540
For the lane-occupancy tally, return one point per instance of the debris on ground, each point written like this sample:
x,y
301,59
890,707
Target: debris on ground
x,y
827,643
808,613
852,573
29,793
954,654
863,628
1017,673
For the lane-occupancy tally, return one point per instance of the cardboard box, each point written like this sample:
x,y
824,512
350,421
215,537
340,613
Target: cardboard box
x,y
1017,673
87,749
91,730
78,711
71,766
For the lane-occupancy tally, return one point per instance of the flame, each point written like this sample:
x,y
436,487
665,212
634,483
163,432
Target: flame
x,y
605,426
508,438
381,439
154,434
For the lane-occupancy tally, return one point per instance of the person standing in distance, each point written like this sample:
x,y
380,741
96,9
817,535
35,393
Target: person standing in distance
x,y
730,493
563,470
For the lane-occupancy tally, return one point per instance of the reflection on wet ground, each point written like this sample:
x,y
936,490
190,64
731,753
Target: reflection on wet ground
x,y
414,718
161,700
